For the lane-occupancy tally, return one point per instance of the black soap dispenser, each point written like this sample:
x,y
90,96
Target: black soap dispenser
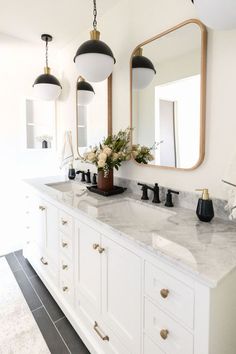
x,y
205,210
71,172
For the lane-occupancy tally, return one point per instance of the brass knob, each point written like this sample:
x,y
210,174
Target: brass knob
x,y
64,222
42,208
101,249
64,266
164,333
43,261
64,244
95,246
65,288
164,293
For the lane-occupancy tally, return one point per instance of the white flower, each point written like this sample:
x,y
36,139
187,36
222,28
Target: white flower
x,y
135,154
114,156
107,151
91,156
101,163
102,157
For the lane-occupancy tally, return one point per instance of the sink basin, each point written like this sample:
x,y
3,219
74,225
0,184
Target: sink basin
x,y
69,186
135,213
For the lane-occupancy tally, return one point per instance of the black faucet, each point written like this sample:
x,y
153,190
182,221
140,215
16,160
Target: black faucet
x,y
145,191
82,175
156,197
88,176
94,180
169,202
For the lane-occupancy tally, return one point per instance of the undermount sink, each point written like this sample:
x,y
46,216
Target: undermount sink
x,y
132,212
69,186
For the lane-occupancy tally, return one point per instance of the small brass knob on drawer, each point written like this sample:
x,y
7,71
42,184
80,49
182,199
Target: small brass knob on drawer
x,y
42,208
64,222
43,261
95,246
164,333
65,288
101,249
64,266
64,244
164,293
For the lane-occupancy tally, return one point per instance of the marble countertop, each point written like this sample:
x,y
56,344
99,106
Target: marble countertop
x,y
206,251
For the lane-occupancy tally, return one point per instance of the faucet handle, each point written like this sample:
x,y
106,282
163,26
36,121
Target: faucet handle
x,y
145,191
169,202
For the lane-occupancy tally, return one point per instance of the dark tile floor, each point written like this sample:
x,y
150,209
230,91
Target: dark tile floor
x,y
58,333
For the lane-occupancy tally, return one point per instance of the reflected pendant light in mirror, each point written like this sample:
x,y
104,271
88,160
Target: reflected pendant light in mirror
x,y
143,70
217,14
46,86
94,59
85,92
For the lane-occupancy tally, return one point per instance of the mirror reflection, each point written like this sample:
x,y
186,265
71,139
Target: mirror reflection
x,y
93,112
168,80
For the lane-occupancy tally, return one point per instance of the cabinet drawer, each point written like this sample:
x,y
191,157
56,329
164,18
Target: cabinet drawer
x,y
170,294
66,268
67,288
150,347
66,245
65,223
169,335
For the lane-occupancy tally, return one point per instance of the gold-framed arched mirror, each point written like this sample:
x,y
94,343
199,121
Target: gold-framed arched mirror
x,y
168,96
93,113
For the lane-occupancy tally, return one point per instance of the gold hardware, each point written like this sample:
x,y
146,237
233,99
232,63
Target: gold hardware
x,y
64,222
164,293
101,249
64,244
65,288
95,35
43,261
42,208
95,327
205,193
95,246
139,52
47,70
64,266
164,333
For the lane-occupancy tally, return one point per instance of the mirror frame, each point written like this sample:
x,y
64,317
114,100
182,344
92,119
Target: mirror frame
x,y
109,111
202,87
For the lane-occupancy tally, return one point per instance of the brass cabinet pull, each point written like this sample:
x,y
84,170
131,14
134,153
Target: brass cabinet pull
x,y
164,333
95,327
65,288
101,249
42,208
95,246
64,222
64,266
43,261
164,293
64,244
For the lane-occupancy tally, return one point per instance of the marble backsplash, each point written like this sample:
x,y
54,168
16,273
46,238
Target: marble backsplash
x,y
186,200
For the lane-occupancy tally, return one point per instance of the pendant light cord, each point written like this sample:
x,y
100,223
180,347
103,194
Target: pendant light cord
x,y
46,53
95,15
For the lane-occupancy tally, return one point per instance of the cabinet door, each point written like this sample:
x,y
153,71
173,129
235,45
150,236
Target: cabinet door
x,y
52,234
38,221
89,265
121,289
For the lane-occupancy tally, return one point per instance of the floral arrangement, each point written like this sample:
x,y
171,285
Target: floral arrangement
x,y
142,154
111,152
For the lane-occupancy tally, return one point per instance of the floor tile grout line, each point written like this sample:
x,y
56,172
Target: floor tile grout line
x,y
38,308
59,319
43,305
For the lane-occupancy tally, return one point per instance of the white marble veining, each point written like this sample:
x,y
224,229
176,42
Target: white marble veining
x,y
19,333
203,250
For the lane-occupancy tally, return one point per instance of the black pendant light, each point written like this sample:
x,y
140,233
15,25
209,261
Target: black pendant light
x,y
85,92
94,59
143,70
46,86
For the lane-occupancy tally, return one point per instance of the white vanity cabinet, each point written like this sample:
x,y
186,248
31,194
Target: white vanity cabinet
x,y
119,297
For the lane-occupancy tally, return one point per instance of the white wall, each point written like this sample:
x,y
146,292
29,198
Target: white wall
x,y
125,26
20,64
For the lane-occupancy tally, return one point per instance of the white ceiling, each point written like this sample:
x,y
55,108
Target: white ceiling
x,y
63,19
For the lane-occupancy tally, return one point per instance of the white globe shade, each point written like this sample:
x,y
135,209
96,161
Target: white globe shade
x,y
94,67
142,77
47,92
217,14
84,97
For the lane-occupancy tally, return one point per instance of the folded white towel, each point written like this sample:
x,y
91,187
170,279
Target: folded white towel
x,y
67,155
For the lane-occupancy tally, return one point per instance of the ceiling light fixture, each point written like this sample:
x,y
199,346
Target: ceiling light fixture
x,y
85,92
46,86
143,70
217,14
94,59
